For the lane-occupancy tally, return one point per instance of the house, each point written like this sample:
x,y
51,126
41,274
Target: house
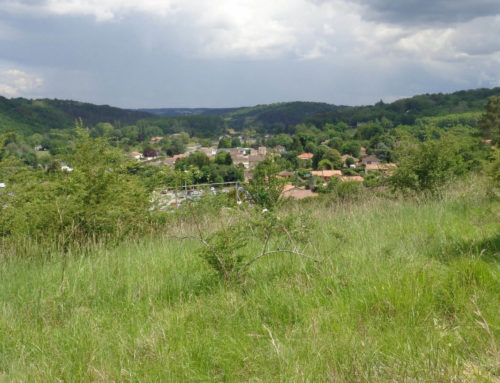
x,y
66,168
305,156
241,159
351,178
155,140
2,185
285,174
326,174
385,168
279,149
346,156
192,148
370,160
254,160
179,156
209,151
169,161
291,191
262,151
136,155
363,151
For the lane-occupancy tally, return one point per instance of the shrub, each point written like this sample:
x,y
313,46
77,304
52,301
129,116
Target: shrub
x,y
349,189
97,201
425,166
265,188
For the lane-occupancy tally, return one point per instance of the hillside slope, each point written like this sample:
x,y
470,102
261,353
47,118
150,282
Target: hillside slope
x,y
408,110
407,290
38,116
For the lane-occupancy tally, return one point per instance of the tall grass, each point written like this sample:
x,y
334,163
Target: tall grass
x,y
408,290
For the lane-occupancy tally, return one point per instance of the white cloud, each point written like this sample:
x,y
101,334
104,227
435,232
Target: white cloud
x,y
193,44
14,82
227,28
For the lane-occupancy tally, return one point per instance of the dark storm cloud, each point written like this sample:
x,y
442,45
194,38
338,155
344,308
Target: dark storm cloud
x,y
428,11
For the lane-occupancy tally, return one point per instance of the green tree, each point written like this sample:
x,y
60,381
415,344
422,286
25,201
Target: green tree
x,y
223,158
325,164
198,159
265,187
352,147
99,199
489,125
235,142
425,166
318,155
224,142
334,157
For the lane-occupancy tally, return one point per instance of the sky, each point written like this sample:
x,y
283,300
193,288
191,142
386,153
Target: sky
x,y
229,53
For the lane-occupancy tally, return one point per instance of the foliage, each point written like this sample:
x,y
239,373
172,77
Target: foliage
x,y
36,116
149,152
224,142
223,158
265,187
348,190
98,199
407,291
490,122
222,248
425,166
406,111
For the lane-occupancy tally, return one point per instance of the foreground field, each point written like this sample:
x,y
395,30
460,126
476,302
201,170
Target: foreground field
x,y
407,290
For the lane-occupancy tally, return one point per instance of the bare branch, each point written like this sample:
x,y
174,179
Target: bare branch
x,y
275,252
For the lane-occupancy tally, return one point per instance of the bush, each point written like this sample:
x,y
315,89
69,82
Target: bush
x,y
425,166
97,201
348,190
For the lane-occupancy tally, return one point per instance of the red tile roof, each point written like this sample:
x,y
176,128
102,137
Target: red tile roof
x,y
305,156
326,173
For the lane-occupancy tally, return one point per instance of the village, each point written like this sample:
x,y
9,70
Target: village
x,y
302,181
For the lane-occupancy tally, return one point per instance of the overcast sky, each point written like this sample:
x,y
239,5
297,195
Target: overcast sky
x,y
225,53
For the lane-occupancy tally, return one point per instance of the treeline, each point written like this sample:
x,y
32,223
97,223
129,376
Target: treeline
x,y
407,111
39,116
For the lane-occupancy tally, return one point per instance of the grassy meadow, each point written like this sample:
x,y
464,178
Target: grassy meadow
x,y
407,290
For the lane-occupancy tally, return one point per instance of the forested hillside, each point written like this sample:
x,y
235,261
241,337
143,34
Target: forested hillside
x,y
39,116
406,111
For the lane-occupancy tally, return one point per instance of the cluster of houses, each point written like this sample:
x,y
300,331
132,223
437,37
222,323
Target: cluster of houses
x,y
250,157
368,162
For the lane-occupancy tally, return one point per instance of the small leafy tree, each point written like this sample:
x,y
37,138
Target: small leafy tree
x,y
225,249
489,124
425,166
265,188
98,200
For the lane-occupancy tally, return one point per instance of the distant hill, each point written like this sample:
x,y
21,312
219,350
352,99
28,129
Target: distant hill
x,y
38,116
184,112
262,117
277,117
272,118
408,110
